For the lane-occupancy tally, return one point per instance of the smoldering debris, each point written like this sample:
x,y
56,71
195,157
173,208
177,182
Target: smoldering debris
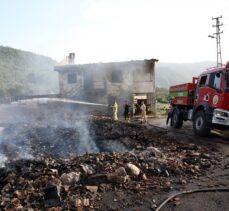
x,y
3,159
14,146
58,124
36,142
58,178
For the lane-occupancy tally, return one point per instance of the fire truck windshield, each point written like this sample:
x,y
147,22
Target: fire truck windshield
x,y
227,82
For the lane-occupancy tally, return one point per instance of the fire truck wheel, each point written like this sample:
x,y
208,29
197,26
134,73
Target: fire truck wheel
x,y
200,124
177,120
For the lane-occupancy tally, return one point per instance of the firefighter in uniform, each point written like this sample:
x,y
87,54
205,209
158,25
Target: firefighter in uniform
x,y
115,111
143,112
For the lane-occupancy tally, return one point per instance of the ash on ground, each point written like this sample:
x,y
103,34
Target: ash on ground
x,y
97,165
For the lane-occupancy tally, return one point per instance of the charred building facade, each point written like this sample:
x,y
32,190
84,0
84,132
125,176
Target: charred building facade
x,y
105,82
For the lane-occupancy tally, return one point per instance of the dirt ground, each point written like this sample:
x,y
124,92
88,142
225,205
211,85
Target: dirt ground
x,y
202,201
219,178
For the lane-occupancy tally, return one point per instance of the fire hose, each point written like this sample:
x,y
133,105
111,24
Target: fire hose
x,y
189,192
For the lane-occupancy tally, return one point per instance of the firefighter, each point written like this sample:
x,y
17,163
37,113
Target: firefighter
x,y
127,111
170,115
115,111
133,111
143,112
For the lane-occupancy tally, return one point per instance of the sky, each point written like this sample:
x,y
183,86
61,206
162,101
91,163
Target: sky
x,y
115,30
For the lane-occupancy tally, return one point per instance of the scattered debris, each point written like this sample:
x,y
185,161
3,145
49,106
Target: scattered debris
x,y
119,176
92,189
70,178
60,178
134,170
51,196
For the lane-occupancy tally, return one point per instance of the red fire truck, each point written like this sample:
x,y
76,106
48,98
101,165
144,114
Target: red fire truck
x,y
205,101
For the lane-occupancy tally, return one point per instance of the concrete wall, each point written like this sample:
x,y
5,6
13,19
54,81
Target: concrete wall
x,y
69,89
96,84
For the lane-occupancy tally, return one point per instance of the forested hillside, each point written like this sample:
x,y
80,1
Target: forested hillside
x,y
25,73
168,74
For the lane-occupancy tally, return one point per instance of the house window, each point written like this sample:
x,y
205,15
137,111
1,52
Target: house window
x,y
72,78
117,76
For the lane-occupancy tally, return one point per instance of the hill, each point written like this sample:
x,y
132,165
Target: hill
x,y
168,74
26,73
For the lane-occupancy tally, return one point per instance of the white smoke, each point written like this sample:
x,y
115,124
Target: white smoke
x,y
25,153
3,159
13,147
50,114
54,126
85,143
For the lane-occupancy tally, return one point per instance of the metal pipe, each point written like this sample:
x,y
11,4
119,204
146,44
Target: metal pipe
x,y
190,191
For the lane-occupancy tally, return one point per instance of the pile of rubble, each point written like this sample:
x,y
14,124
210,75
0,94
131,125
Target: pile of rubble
x,y
148,161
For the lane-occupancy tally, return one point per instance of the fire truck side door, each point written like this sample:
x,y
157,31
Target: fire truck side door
x,y
201,90
215,89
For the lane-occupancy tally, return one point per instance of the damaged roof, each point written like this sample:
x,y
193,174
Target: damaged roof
x,y
101,65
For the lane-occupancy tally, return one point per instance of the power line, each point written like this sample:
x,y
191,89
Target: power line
x,y
218,39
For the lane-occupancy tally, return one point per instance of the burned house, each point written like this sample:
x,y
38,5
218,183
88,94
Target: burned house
x,y
105,82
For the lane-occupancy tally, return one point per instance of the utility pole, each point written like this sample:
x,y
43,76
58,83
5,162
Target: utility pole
x,y
217,37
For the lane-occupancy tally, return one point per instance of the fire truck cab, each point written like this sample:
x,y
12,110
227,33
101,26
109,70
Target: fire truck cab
x,y
205,101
